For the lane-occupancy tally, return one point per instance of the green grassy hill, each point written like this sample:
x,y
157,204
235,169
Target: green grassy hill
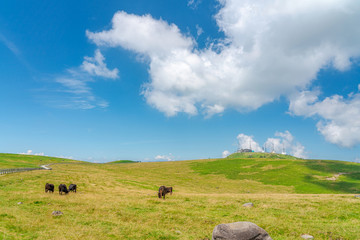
x,y
8,160
119,201
302,176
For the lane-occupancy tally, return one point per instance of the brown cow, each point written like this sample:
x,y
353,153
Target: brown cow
x,y
49,187
164,190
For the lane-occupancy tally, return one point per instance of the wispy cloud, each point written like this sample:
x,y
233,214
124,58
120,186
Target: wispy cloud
x,y
199,30
193,3
10,45
74,91
15,50
74,85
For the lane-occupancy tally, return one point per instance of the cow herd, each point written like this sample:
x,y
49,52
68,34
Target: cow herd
x,y
72,188
62,188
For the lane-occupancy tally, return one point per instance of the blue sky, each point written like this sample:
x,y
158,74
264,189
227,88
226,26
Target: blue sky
x,y
175,80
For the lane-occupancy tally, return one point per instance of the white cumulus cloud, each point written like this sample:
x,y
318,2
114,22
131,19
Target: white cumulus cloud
x,y
339,116
271,48
141,34
95,66
247,142
225,153
169,157
283,142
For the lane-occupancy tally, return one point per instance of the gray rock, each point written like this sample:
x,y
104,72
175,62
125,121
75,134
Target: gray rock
x,y
249,204
239,231
57,213
20,203
357,196
307,236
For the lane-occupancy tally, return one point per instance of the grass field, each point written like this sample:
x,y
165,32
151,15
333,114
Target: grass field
x,y
119,201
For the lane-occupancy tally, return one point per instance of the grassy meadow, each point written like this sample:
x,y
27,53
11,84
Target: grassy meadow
x,y
119,201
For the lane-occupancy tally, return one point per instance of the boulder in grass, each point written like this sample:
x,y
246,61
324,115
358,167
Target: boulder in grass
x,y
57,213
307,236
240,231
249,205
357,196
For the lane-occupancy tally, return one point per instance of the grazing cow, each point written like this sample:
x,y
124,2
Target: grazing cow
x,y
164,190
72,188
63,188
49,187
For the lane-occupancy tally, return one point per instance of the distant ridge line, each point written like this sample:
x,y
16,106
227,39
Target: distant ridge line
x,y
261,155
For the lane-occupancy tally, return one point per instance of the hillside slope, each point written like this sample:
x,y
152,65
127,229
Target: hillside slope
x,y
122,161
304,176
9,160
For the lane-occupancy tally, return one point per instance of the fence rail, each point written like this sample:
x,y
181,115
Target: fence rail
x,y
14,170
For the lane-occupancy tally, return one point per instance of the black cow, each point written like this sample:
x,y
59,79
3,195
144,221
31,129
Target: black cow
x,y
164,190
49,187
72,188
63,188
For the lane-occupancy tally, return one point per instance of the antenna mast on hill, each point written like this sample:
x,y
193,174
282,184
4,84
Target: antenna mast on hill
x,y
283,151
